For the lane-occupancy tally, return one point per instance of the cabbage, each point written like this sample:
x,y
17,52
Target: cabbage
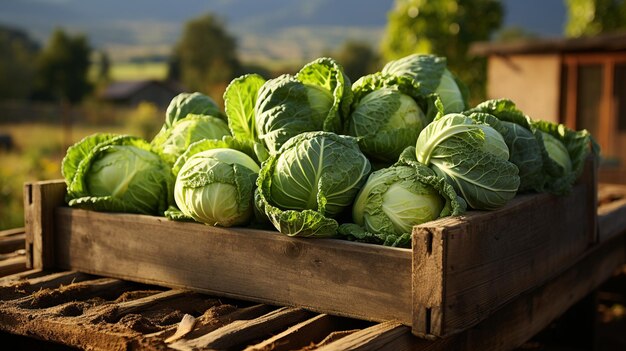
x,y
316,99
467,154
386,121
185,103
216,187
172,142
395,199
430,75
310,181
117,173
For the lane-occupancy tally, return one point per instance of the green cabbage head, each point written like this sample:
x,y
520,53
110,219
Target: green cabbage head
x,y
473,157
116,173
316,99
430,74
185,103
172,142
396,198
310,181
386,121
216,187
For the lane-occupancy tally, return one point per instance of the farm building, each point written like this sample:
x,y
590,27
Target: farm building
x,y
132,93
579,82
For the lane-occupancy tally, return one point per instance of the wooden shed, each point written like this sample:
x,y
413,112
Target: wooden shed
x,y
580,82
132,93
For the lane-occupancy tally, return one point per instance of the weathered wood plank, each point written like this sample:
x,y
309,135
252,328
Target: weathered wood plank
x,y
388,335
40,201
13,242
319,274
239,332
532,311
12,265
303,334
479,261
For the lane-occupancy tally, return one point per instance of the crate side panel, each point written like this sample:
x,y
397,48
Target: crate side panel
x,y
506,252
330,276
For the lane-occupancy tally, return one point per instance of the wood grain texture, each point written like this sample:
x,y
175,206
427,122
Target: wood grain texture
x,y
487,258
40,201
330,276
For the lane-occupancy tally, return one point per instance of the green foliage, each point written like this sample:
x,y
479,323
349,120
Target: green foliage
x,y
591,17
445,28
17,67
205,56
63,68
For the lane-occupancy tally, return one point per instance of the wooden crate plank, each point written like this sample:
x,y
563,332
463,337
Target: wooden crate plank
x,y
312,330
486,258
318,274
528,314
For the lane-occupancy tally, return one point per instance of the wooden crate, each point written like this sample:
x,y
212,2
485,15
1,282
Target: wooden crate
x,y
459,271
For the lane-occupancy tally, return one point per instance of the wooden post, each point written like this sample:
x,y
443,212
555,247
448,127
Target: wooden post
x,y
40,201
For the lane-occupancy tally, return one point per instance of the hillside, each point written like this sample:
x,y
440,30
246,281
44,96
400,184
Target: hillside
x,y
265,29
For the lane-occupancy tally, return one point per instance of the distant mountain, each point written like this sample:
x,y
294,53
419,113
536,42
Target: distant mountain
x,y
265,29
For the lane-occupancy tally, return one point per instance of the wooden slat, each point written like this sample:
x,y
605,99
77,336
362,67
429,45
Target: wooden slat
x,y
466,267
237,333
12,243
303,334
12,265
383,336
318,274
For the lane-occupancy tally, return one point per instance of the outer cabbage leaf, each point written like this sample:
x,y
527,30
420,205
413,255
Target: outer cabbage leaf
x,y
313,178
239,100
454,147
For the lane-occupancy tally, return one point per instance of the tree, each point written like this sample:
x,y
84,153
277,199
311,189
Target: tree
x,y
17,63
358,59
591,17
205,55
104,67
444,28
62,68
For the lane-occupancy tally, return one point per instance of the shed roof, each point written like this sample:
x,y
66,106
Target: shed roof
x,y
614,41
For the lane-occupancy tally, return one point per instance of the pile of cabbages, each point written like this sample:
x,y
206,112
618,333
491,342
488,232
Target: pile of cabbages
x,y
314,155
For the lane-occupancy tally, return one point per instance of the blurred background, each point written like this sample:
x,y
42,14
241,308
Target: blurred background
x,y
70,68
